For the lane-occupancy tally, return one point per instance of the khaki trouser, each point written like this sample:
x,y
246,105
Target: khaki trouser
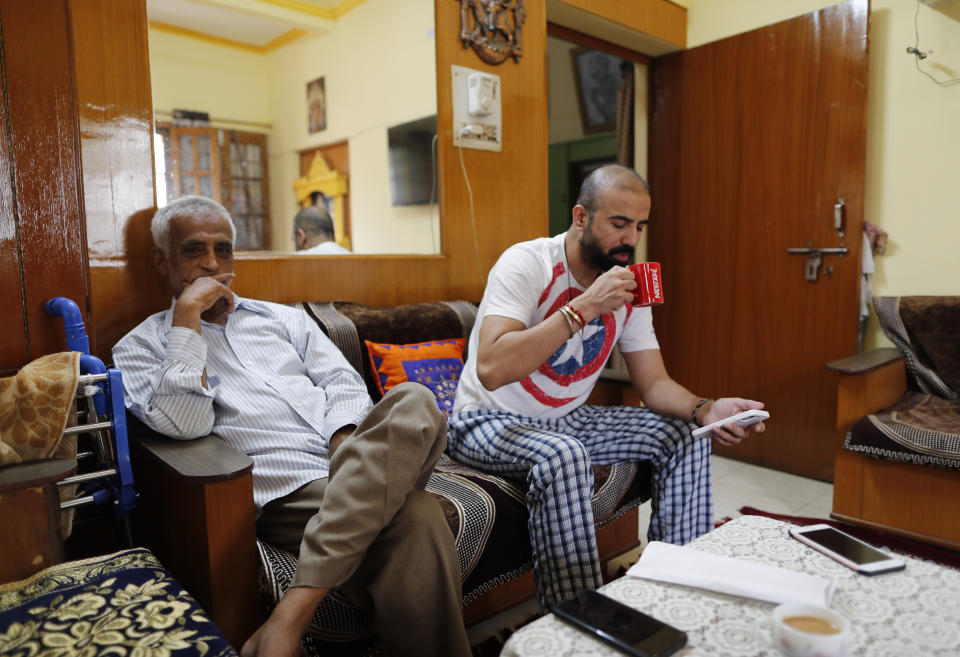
x,y
371,532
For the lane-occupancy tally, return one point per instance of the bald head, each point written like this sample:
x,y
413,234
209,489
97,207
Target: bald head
x,y
312,226
612,176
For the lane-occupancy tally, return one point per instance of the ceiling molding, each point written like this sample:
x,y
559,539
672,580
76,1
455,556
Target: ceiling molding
x,y
283,40
293,12
201,36
302,17
346,7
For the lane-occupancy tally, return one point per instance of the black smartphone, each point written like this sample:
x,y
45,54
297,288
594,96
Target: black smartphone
x,y
621,626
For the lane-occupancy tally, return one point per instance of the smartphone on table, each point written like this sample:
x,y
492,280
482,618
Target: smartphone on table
x,y
623,627
851,552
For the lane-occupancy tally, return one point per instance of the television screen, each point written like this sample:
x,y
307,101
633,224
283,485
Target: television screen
x,y
412,174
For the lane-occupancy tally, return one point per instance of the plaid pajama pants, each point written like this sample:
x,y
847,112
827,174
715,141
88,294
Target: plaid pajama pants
x,y
555,456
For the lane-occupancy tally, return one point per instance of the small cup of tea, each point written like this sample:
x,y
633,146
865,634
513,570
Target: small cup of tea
x,y
810,631
649,290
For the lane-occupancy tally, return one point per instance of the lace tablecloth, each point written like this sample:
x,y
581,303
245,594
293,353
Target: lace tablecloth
x,y
915,612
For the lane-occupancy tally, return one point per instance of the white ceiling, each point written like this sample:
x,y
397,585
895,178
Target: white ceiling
x,y
252,22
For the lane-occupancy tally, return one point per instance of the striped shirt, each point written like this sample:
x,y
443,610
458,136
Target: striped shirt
x,y
277,388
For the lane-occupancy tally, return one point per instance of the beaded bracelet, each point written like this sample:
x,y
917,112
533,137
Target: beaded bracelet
x,y
695,413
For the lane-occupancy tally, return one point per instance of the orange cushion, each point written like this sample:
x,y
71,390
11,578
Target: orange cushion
x,y
436,365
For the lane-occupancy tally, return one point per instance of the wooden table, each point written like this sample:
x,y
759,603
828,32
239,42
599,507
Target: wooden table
x,y
914,612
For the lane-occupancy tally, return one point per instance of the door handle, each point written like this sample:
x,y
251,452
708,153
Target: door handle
x,y
814,257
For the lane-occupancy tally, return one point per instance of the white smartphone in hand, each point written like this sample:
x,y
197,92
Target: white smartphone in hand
x,y
741,419
851,552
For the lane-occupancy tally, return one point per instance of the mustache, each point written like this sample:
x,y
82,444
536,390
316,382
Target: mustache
x,y
621,249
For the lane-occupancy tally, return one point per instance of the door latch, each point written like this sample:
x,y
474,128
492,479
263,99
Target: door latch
x,y
839,212
811,269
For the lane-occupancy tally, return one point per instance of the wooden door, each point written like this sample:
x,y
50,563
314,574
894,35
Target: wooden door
x,y
42,241
754,138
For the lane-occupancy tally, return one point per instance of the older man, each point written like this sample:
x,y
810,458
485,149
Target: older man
x,y
334,476
551,313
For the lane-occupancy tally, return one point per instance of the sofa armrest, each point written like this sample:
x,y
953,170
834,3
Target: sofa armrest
x,y
199,461
866,362
866,383
195,512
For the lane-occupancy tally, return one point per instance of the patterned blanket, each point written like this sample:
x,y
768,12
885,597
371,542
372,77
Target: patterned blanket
x,y
34,408
120,604
924,426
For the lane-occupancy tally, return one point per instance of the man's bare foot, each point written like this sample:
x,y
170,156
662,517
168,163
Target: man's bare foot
x,y
280,635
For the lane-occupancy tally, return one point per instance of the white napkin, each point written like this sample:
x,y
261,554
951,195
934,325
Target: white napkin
x,y
682,565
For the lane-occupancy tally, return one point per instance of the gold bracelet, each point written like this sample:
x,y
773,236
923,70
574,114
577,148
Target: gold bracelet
x,y
568,310
569,323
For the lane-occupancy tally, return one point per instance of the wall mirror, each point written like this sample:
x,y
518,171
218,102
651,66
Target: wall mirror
x,y
246,94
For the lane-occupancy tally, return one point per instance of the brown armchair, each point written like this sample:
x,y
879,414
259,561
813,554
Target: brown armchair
x,y
899,415
196,509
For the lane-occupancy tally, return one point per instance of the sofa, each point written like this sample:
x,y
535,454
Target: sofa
x,y
196,512
898,416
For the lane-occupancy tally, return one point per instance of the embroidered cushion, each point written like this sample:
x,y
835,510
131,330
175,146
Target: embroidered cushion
x,y
436,365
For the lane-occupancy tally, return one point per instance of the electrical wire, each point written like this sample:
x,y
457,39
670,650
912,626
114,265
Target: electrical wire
x,y
919,54
433,190
473,219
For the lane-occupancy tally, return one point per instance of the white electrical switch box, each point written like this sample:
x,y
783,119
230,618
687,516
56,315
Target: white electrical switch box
x,y
481,90
476,109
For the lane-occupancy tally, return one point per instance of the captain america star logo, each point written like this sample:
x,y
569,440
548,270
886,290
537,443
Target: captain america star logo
x,y
576,360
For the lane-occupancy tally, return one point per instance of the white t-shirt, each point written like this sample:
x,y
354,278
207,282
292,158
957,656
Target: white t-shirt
x,y
530,282
325,248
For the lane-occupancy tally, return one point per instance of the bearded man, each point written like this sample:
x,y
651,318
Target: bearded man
x,y
551,313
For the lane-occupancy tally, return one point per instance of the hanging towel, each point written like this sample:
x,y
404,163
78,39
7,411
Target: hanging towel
x,y
35,406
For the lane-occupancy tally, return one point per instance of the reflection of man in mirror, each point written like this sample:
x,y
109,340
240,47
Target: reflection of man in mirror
x,y
313,232
604,81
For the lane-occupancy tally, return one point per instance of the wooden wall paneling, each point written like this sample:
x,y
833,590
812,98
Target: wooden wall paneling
x,y
13,332
116,138
43,142
510,200
370,279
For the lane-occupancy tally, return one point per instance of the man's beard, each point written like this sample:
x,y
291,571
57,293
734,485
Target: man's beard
x,y
595,256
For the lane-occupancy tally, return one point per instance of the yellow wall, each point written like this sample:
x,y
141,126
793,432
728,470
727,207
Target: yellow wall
x,y
379,69
228,83
913,134
564,110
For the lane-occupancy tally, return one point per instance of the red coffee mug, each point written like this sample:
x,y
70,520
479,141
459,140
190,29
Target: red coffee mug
x,y
649,290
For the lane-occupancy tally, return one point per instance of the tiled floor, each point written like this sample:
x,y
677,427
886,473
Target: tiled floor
x,y
735,485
